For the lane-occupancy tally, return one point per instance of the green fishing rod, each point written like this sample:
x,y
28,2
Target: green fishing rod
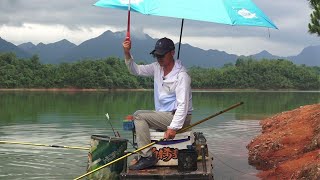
x,y
44,145
148,145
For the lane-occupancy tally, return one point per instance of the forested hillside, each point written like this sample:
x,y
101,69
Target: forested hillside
x,y
111,73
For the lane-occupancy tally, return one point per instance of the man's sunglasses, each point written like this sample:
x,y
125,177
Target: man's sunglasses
x,y
157,56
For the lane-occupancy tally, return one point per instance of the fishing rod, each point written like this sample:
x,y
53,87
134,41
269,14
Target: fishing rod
x,y
44,145
107,115
148,145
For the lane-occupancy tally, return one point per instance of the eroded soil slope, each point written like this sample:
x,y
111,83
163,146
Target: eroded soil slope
x,y
289,146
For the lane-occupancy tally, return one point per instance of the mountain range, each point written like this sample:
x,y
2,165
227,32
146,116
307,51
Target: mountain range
x,y
109,44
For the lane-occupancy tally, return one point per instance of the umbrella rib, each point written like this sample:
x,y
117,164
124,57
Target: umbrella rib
x,y
231,22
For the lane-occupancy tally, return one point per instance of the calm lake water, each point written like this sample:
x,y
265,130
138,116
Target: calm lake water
x,y
70,118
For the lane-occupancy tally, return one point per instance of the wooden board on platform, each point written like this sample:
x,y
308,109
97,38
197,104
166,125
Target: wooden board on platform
x,y
171,172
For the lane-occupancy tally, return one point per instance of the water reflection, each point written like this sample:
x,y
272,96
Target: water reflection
x,y
62,118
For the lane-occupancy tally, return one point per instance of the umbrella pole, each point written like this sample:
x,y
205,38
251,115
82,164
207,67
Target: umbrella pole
x,y
128,25
182,21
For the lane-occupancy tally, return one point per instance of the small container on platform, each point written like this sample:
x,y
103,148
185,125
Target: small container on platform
x,y
187,160
127,123
167,151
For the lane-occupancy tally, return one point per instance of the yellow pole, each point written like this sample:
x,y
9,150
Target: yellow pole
x,y
148,145
44,145
209,117
120,158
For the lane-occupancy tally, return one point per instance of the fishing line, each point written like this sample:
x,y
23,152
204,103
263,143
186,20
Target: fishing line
x,y
44,145
244,173
224,163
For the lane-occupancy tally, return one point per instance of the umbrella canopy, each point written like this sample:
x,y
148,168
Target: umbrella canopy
x,y
231,12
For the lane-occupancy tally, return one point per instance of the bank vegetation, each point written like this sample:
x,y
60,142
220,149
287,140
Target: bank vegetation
x,y
111,73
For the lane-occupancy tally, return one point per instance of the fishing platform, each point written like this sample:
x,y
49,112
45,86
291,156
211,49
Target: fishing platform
x,y
184,157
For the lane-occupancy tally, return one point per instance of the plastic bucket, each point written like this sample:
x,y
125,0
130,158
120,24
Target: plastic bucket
x,y
103,150
187,160
127,123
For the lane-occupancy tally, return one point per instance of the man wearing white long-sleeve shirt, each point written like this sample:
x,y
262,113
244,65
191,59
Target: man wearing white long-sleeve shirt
x,y
172,97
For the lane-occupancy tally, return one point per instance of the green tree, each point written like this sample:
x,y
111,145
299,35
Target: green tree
x,y
314,26
111,73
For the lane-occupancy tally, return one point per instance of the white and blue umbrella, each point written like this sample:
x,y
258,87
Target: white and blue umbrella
x,y
230,12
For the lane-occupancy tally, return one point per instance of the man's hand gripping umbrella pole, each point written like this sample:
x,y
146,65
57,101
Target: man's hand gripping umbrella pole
x,y
148,145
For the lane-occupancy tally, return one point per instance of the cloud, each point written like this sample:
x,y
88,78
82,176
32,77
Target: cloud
x,y
244,45
77,20
37,33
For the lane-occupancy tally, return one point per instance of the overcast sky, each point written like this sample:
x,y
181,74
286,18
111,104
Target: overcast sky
x,y
49,21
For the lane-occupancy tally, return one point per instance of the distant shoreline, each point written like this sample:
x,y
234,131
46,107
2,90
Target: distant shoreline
x,y
70,89
137,90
